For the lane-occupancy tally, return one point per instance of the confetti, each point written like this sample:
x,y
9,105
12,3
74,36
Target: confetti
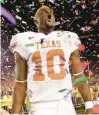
x,y
62,58
27,93
18,17
30,91
38,70
2,1
67,72
62,90
8,15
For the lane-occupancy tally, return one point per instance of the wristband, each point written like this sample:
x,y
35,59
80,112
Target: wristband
x,y
88,105
82,78
78,73
20,81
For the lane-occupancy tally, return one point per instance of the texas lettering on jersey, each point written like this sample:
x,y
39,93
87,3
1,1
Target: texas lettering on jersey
x,y
48,44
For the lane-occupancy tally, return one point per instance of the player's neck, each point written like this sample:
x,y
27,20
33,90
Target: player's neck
x,y
45,31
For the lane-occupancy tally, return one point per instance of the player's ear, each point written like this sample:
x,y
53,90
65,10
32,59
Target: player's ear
x,y
35,22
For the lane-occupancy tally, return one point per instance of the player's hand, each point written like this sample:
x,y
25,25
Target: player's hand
x,y
89,111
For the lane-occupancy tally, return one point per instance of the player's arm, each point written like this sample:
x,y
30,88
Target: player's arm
x,y
20,87
81,83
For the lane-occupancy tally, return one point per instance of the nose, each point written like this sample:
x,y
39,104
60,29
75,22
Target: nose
x,y
50,12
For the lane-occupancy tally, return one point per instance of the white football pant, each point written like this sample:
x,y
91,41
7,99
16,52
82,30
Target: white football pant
x,y
62,107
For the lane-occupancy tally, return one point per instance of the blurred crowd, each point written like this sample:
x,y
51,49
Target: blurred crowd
x,y
7,94
80,16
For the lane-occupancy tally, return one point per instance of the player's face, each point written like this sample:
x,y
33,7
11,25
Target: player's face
x,y
95,95
45,18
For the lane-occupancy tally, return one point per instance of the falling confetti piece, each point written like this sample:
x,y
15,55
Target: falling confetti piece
x,y
30,91
41,0
27,93
2,1
62,90
83,37
67,71
8,15
62,58
37,69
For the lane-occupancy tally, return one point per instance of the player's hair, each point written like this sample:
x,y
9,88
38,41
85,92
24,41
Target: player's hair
x,y
38,11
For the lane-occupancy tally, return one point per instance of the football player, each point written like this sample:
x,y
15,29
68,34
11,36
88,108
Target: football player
x,y
42,68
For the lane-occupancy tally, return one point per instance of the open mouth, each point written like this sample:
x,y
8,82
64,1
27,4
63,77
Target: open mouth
x,y
49,16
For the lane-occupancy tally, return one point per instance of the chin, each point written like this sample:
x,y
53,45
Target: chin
x,y
49,25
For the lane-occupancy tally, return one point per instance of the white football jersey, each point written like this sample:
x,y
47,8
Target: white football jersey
x,y
47,57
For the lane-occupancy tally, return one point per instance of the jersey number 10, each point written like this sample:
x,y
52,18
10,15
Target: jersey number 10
x,y
36,58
